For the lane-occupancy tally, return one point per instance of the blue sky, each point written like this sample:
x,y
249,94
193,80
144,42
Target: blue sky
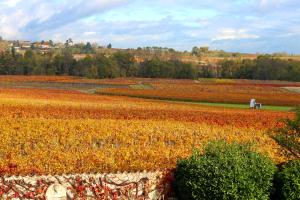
x,y
263,26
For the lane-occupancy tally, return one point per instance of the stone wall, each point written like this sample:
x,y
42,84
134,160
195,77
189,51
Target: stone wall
x,y
139,185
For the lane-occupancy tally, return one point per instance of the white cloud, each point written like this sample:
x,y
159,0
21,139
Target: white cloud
x,y
88,33
179,24
267,3
21,19
10,3
233,34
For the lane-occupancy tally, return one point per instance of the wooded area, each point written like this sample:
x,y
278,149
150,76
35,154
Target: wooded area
x,y
123,64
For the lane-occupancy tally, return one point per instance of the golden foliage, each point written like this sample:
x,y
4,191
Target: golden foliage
x,y
60,146
52,131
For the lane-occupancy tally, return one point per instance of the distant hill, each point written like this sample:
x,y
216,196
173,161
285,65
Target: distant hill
x,y
202,56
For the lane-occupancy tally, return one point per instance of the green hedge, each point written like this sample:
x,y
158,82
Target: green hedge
x,y
225,171
287,182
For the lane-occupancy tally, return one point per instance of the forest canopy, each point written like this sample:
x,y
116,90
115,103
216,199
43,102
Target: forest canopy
x,y
123,64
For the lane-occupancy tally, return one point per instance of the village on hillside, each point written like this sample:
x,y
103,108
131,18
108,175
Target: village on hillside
x,y
203,57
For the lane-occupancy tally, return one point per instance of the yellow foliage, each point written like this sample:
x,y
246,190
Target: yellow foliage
x,y
65,146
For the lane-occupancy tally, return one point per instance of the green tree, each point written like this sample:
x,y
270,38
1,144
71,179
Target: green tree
x,y
125,62
82,66
68,43
229,68
107,68
151,68
28,62
184,70
195,51
8,63
88,48
93,72
51,43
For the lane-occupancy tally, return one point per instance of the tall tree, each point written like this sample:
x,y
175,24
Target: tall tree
x,y
125,62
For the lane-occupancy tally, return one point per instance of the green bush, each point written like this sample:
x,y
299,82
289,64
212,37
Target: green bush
x,y
225,171
287,182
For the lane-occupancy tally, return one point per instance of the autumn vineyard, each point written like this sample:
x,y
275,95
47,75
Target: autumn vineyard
x,y
149,100
72,130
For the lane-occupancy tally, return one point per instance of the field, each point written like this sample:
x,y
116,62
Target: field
x,y
216,91
70,130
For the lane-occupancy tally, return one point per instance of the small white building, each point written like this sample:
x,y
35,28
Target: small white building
x,y
252,103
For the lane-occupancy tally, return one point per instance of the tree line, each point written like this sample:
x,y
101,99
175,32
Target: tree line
x,y
123,64
265,67
119,64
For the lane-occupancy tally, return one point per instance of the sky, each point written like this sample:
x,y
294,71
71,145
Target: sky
x,y
252,26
